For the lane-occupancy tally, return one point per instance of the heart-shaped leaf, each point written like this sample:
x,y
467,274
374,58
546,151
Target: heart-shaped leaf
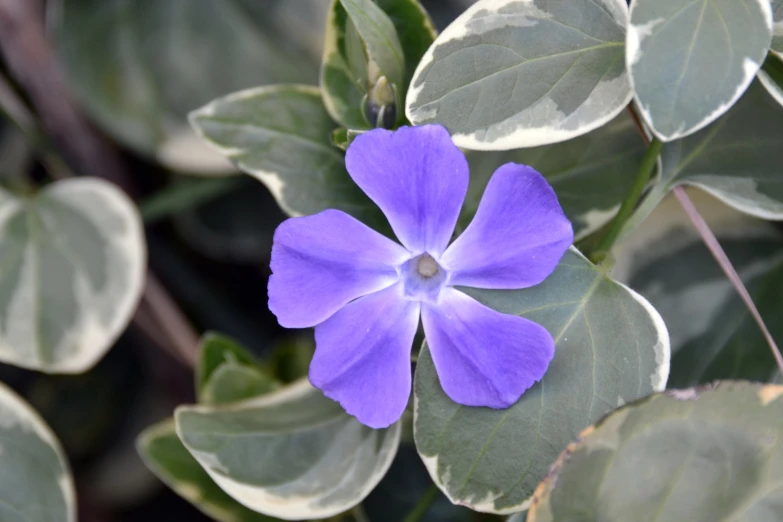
x,y
520,73
690,62
702,455
35,483
309,458
140,67
74,258
167,458
352,40
611,348
591,174
281,136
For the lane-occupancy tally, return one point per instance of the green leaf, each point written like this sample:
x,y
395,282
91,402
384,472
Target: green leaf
x,y
736,159
73,259
690,62
342,137
216,350
385,56
140,67
281,136
771,76
232,382
702,455
611,348
345,77
777,26
509,74
591,174
309,459
35,482
167,458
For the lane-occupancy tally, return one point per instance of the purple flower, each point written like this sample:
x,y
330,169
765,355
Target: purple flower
x,y
364,293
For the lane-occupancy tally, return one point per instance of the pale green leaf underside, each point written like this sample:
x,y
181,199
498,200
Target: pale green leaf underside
x,y
140,67
591,174
291,453
167,458
702,455
690,61
281,136
35,482
73,260
737,158
521,73
612,348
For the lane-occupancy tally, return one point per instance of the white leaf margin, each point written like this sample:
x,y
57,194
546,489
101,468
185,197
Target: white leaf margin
x,y
658,379
635,35
288,508
94,339
29,418
526,136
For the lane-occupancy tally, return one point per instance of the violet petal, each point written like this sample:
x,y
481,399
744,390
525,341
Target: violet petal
x,y
362,356
484,357
321,262
517,237
418,177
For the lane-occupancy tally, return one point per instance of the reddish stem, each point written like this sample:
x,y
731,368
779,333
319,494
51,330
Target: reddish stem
x,y
720,256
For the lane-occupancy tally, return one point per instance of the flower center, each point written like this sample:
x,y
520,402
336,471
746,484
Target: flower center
x,y
427,266
423,278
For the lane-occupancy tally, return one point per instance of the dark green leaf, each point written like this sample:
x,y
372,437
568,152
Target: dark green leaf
x,y
611,348
345,78
216,350
591,174
281,135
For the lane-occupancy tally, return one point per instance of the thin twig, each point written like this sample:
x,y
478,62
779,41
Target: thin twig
x,y
176,326
723,260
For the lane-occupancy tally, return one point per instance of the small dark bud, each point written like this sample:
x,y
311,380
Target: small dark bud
x,y
380,106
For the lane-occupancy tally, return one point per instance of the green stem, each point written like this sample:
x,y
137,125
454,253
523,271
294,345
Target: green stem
x,y
423,505
626,209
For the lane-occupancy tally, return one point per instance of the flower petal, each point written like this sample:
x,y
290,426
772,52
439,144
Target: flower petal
x,y
517,237
321,262
362,356
483,357
418,177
